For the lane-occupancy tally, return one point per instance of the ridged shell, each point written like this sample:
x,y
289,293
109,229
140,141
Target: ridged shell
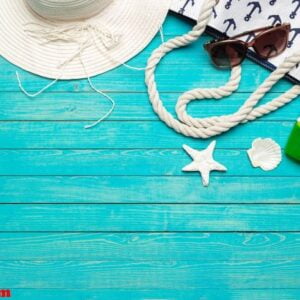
x,y
265,153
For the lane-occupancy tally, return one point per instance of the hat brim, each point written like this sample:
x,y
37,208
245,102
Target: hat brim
x,y
136,21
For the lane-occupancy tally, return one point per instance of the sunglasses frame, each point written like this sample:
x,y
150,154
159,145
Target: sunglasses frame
x,y
234,39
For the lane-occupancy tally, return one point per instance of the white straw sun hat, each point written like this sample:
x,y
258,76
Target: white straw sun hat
x,y
72,39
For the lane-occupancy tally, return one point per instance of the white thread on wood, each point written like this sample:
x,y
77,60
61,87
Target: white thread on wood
x,y
75,34
211,126
85,35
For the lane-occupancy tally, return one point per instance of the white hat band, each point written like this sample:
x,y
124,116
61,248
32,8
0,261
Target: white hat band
x,y
66,10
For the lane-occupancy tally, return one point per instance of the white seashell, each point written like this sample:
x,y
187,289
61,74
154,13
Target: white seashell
x,y
265,153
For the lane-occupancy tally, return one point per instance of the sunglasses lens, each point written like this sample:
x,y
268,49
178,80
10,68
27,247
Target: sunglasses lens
x,y
226,55
271,43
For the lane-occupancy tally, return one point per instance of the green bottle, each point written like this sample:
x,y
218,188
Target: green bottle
x,y
292,148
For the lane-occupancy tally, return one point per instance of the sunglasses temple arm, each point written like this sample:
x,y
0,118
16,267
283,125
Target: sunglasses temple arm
x,y
250,31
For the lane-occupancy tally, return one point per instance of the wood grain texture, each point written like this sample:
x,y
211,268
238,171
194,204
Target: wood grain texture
x,y
147,189
131,294
150,246
107,213
171,77
167,274
129,107
130,162
128,135
149,218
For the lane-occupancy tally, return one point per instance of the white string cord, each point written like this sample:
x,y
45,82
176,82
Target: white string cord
x,y
161,33
113,104
128,66
211,126
78,34
32,95
106,115
162,38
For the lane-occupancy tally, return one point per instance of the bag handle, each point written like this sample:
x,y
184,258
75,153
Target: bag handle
x,y
212,126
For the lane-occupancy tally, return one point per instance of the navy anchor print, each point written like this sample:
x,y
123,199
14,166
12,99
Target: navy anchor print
x,y
231,23
214,13
183,8
294,33
228,4
250,37
234,16
294,12
276,19
255,7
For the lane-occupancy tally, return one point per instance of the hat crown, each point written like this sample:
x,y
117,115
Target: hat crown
x,y
67,10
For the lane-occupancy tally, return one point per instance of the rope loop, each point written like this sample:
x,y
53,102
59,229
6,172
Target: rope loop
x,y
212,126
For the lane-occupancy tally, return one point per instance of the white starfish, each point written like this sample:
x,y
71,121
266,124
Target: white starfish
x,y
203,162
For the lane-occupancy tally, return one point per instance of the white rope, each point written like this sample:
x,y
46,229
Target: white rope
x,y
211,126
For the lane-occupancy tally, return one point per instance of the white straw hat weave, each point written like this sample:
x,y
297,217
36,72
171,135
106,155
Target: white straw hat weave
x,y
72,39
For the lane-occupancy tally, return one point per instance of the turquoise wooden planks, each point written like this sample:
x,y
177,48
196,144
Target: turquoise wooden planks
x,y
170,77
129,135
175,26
149,218
150,275
230,247
130,162
130,294
89,106
147,189
184,55
57,242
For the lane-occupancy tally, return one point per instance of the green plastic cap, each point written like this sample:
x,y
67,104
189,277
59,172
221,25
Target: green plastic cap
x,y
293,146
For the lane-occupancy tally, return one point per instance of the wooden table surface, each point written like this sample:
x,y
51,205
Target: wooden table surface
x,y
106,213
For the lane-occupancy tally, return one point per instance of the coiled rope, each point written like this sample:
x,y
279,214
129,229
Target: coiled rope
x,y
212,126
